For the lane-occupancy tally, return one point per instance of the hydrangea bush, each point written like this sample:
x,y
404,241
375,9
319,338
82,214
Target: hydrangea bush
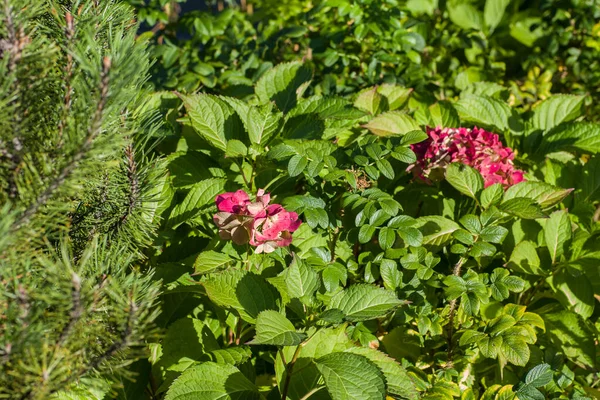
x,y
374,247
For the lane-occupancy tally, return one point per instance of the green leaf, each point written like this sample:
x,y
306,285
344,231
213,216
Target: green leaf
x,y
275,329
396,95
582,136
385,168
392,123
366,233
301,280
398,381
465,15
199,199
392,278
245,292
491,195
574,292
465,179
371,101
210,260
262,124
236,149
444,114
296,165
524,259
557,109
543,193
569,332
557,231
209,381
350,376
363,302
213,119
186,341
235,355
484,111
515,350
436,230
387,237
522,207
493,13
538,376
282,85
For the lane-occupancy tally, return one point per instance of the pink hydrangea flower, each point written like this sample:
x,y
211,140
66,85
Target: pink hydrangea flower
x,y
263,225
475,147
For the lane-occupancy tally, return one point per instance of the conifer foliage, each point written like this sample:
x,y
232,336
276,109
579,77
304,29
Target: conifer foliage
x,y
77,195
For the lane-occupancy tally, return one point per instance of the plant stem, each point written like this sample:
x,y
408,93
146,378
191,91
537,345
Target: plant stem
x,y
453,303
315,390
288,372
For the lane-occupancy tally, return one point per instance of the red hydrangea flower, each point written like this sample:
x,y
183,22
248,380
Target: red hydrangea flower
x,y
475,147
266,226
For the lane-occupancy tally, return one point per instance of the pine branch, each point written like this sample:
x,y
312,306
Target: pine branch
x,y
76,310
70,34
94,130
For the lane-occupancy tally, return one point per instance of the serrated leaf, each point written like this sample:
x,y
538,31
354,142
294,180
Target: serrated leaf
x,y
371,101
392,123
574,293
569,333
210,260
557,231
543,193
282,83
524,259
209,381
557,109
213,119
262,124
398,381
350,376
363,302
301,280
365,233
385,168
483,110
436,230
187,340
387,237
396,95
522,207
200,197
231,355
296,165
247,293
443,114
582,136
491,195
465,179
235,149
515,350
275,329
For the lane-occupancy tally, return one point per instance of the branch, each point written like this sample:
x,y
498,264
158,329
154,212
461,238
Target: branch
x,y
453,303
76,309
93,131
70,34
289,368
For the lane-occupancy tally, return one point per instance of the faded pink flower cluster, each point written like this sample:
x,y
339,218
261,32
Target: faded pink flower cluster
x,y
263,225
475,147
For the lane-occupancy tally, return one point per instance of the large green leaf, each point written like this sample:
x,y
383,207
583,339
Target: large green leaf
x,y
557,231
524,259
557,109
210,260
198,200
493,13
262,123
210,381
398,382
522,207
484,111
301,280
583,136
465,179
363,302
245,292
436,230
234,355
574,292
350,376
465,15
371,101
543,193
392,123
569,332
214,119
283,84
275,329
